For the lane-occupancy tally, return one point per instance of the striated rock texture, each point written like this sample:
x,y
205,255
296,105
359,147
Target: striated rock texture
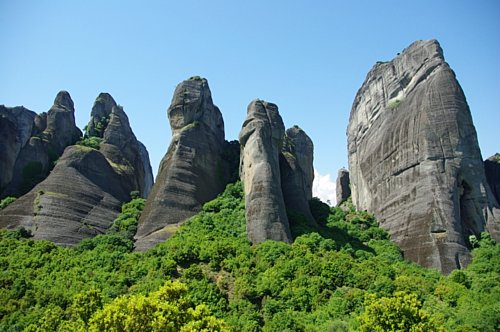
x,y
30,143
261,139
84,192
343,186
195,168
124,152
414,159
492,171
297,172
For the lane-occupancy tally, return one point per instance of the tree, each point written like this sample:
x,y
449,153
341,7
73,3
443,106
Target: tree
x,y
402,312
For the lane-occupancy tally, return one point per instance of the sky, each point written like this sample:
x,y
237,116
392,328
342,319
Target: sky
x,y
308,57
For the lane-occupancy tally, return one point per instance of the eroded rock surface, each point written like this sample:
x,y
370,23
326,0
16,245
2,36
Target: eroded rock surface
x,y
32,143
343,186
84,192
492,171
297,172
194,169
261,139
414,159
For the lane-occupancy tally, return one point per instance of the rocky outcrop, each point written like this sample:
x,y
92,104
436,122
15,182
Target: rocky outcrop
x,y
32,143
414,159
492,171
261,139
84,192
343,186
121,148
194,169
297,172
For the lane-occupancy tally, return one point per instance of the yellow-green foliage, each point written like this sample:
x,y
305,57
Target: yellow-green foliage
x,y
167,309
399,313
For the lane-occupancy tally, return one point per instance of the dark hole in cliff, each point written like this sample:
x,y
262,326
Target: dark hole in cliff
x,y
467,211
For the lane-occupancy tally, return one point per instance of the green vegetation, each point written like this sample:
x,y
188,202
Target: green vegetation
x,y
90,142
6,202
394,103
342,275
195,78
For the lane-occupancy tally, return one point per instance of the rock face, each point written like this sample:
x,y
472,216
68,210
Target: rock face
x,y
84,192
194,169
32,143
261,139
125,153
343,186
414,159
492,171
297,172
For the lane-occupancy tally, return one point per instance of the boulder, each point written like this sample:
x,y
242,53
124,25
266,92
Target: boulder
x,y
194,169
414,159
297,172
261,139
343,186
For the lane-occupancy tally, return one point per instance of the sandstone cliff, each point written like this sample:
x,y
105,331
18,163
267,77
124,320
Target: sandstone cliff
x,y
297,172
261,139
84,192
414,159
194,169
31,144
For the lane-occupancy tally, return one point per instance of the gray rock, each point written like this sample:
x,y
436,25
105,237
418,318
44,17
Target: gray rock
x,y
16,125
193,171
343,186
148,171
84,192
80,198
414,160
261,139
492,172
297,172
33,143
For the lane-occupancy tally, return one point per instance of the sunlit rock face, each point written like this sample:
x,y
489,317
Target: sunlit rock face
x,y
414,159
261,139
195,168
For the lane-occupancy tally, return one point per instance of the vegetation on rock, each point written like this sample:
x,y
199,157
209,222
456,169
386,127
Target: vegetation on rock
x,y
344,274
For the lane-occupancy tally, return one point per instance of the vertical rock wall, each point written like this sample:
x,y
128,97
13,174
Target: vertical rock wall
x,y
261,139
194,169
414,159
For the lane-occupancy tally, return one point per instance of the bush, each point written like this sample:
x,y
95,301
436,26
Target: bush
x,y
6,202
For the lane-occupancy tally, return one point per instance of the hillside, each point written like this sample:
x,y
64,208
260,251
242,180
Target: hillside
x,y
342,275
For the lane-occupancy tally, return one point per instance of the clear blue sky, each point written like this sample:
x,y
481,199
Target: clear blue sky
x,y
309,57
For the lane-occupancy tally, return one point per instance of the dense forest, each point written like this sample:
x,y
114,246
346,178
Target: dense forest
x,y
342,274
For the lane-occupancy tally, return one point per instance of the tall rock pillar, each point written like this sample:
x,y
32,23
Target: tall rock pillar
x,y
261,139
414,159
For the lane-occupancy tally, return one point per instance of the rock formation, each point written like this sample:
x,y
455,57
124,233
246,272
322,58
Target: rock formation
x,y
297,172
32,143
84,192
343,186
492,171
261,139
414,159
194,169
